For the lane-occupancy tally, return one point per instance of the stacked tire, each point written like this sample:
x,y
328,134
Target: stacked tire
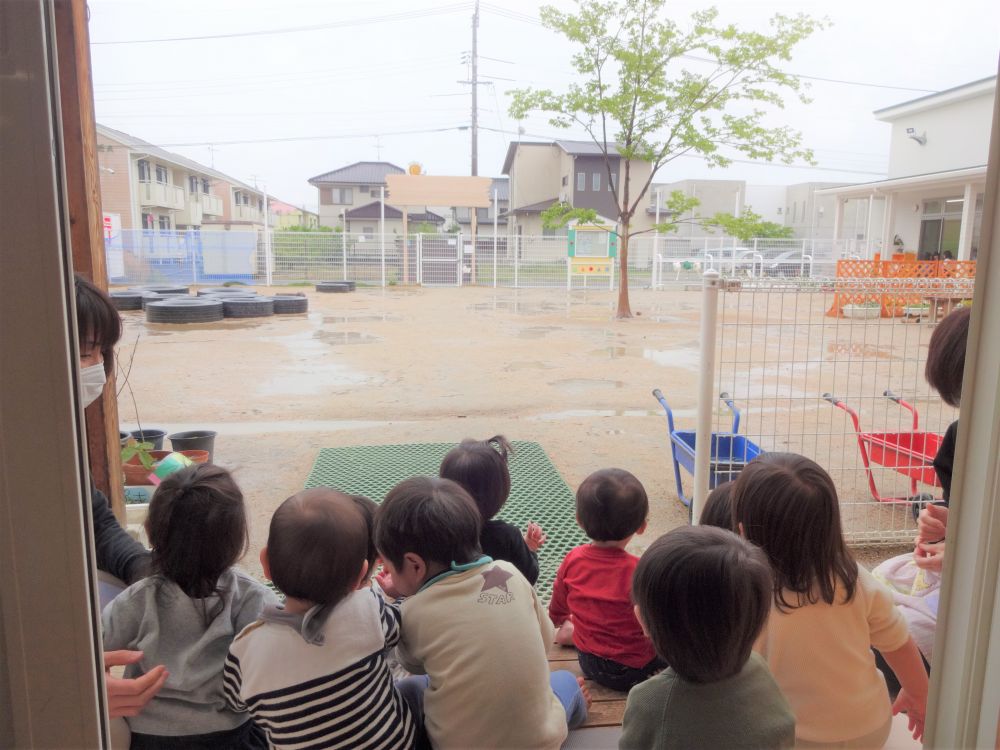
x,y
185,310
246,307
290,304
335,287
127,300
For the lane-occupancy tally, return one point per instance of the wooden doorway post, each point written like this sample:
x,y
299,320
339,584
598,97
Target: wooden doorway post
x,y
83,193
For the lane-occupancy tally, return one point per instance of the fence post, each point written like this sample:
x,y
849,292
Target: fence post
x,y
706,396
381,233
461,259
495,217
517,255
189,241
268,261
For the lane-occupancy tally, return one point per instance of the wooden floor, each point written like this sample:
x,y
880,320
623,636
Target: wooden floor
x,y
608,706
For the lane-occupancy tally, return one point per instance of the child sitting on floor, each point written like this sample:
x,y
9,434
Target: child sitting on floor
x,y
187,612
475,627
827,611
480,467
703,594
313,673
591,598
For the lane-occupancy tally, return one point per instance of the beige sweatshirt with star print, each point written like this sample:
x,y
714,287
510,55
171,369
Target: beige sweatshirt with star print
x,y
482,636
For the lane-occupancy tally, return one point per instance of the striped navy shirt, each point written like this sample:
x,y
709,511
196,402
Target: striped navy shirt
x,y
330,689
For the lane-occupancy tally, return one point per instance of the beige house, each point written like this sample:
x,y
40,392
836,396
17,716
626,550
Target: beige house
x,y
543,173
282,215
146,187
347,188
365,220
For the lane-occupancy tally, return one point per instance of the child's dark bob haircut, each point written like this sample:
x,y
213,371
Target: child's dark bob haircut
x,y
197,527
317,545
787,505
480,466
946,356
718,508
703,595
98,323
368,508
611,504
430,517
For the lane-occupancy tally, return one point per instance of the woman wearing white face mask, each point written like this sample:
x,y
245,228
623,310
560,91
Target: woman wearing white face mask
x,y
99,327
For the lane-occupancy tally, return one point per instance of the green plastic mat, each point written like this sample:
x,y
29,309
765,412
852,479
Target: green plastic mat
x,y
538,493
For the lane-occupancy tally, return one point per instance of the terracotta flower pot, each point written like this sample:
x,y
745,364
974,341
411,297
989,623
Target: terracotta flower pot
x,y
199,457
137,474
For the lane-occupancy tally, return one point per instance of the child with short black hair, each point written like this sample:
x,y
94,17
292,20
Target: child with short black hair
x,y
480,467
827,610
473,625
187,612
312,672
718,508
703,595
591,598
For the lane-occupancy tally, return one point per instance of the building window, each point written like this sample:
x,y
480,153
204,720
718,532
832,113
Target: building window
x,y
148,221
565,180
162,175
193,184
363,189
237,197
143,170
581,181
613,183
342,196
795,212
595,181
482,214
260,204
367,230
164,222
204,186
462,213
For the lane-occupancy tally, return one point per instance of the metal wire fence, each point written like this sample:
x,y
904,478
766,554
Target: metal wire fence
x,y
800,356
148,256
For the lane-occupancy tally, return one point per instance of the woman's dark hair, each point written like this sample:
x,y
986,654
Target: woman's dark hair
x,y
704,594
946,356
611,504
431,517
718,508
368,508
788,506
480,466
197,527
316,545
97,321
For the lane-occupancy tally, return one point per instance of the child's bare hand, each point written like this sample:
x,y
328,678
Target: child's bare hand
x,y
385,581
534,537
929,556
932,523
914,710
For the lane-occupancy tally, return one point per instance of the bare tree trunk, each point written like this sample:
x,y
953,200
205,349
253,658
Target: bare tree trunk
x,y
624,308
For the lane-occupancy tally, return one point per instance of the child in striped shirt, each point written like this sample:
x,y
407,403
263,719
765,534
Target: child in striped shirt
x,y
313,673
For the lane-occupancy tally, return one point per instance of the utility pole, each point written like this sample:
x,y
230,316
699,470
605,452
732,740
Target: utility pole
x,y
475,92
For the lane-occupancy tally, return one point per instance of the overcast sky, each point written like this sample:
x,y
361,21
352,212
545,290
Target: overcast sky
x,y
362,77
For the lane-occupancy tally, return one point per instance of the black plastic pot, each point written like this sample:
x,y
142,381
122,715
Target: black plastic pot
x,y
123,438
150,435
194,440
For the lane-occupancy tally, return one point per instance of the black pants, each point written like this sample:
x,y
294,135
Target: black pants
x,y
246,737
891,681
614,675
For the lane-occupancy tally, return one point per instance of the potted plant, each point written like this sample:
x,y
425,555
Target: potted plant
x,y
864,310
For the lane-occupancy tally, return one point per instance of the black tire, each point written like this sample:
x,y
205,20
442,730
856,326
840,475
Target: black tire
x,y
335,287
191,310
221,290
164,289
289,304
148,297
261,307
127,300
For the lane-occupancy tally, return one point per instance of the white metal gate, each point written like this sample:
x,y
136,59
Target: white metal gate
x,y
439,260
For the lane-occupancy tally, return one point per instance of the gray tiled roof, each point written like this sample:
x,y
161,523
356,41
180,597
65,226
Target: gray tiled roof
x,y
359,173
502,186
140,145
372,211
532,208
585,148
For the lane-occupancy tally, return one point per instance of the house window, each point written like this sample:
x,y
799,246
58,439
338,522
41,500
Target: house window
x,y
193,184
204,186
343,196
162,174
237,197
143,170
595,181
367,230
363,189
260,204
164,223
462,214
482,214
795,212
148,221
613,183
581,181
565,180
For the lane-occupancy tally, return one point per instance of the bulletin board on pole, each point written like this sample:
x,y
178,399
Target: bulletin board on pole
x,y
591,251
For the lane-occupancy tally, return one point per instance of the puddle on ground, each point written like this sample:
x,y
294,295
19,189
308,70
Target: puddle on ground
x,y
582,385
863,351
384,318
685,359
537,332
518,366
344,338
556,416
312,381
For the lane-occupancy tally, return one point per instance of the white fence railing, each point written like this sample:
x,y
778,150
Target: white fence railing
x,y
148,256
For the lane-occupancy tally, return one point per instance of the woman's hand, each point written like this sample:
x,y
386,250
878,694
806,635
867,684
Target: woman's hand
x,y
932,524
128,697
929,556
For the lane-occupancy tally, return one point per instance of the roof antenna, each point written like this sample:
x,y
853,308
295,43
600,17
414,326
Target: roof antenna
x,y
378,147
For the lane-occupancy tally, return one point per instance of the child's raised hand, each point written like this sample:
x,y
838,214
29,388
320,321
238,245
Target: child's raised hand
x,y
914,710
385,581
932,523
929,556
534,537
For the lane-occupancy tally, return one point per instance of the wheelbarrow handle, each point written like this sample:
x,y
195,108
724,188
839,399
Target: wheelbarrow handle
x,y
727,399
658,394
892,396
832,399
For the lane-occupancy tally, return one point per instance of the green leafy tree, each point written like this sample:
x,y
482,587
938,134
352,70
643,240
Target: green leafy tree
x,y
632,96
748,225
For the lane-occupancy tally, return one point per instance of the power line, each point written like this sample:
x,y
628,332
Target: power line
x,y
288,139
525,18
404,16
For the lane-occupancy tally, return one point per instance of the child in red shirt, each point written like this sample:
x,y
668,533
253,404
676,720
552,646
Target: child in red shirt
x,y
592,595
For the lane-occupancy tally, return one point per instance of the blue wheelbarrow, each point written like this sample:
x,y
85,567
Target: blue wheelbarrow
x,y
730,453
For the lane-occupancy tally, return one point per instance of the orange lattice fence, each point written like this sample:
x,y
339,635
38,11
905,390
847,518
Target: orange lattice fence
x,y
856,282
